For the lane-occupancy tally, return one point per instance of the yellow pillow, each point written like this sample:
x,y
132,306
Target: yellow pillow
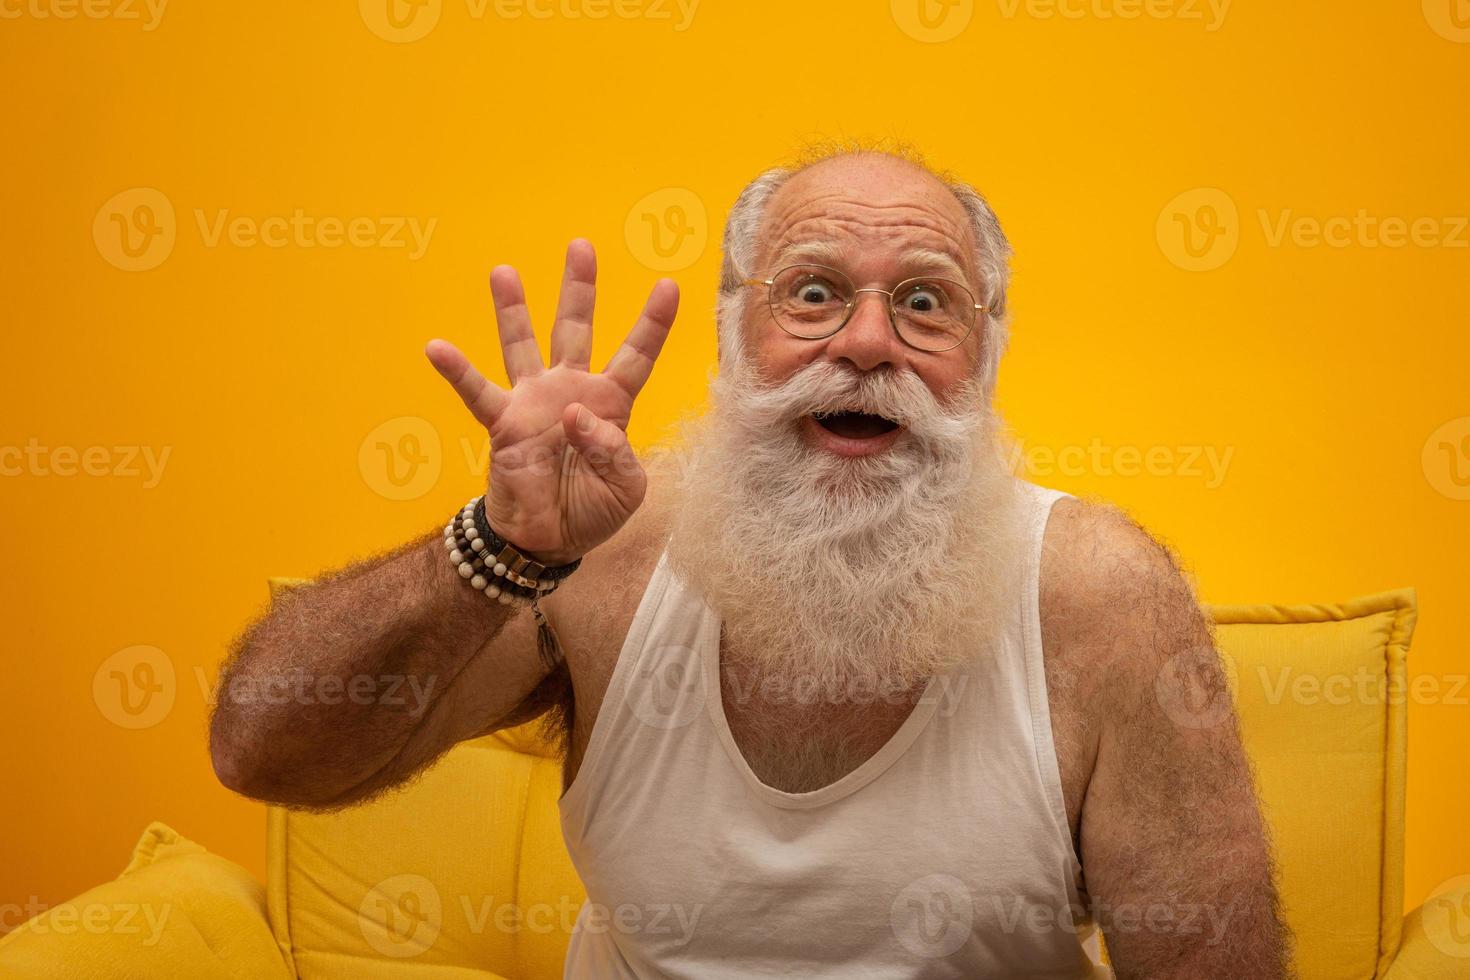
x,y
463,872
1320,692
463,875
176,911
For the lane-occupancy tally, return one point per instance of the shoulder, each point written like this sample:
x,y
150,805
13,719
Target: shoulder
x,y
1101,570
1116,610
1101,548
1116,603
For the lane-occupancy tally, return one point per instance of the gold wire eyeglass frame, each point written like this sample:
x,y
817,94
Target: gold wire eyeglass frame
x,y
980,308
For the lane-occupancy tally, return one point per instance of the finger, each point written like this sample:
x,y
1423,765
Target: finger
x,y
571,335
606,449
633,362
517,340
484,399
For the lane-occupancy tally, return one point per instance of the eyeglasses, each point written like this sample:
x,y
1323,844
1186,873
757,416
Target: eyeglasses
x,y
815,301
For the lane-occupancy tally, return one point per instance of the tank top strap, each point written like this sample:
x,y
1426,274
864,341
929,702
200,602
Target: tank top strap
x,y
655,685
1042,739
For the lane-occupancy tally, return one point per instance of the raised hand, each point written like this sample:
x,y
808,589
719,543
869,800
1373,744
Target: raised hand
x,y
563,477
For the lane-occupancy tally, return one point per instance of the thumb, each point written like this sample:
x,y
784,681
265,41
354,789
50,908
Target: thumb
x,y
604,446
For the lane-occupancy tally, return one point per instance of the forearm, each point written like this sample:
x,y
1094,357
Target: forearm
x,y
325,691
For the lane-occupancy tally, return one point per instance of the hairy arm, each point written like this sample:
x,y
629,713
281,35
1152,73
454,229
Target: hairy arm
x,y
351,685
1173,845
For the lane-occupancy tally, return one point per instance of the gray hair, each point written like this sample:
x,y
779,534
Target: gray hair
x,y
739,246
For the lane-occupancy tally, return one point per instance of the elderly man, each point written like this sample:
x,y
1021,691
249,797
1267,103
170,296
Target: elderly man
x,y
834,684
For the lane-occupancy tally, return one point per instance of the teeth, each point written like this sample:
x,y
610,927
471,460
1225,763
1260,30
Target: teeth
x,y
824,413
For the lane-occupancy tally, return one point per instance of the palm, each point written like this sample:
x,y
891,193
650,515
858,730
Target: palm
x,y
538,483
556,491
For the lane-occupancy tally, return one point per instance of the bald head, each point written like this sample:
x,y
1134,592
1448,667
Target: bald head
x,y
869,209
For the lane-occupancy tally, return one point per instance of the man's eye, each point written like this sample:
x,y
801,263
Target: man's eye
x,y
815,292
925,299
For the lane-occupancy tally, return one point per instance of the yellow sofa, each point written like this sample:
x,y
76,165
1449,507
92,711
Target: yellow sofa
x,y
463,875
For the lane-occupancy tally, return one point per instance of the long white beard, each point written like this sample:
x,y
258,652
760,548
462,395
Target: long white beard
x,y
873,572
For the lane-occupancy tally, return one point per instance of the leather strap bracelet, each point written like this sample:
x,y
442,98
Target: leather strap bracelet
x,y
509,555
499,569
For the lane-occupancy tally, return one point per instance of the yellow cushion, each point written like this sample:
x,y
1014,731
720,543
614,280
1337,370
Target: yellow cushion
x,y
176,911
1436,944
463,875
1320,691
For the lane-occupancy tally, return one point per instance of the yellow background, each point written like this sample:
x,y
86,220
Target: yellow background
x,y
266,372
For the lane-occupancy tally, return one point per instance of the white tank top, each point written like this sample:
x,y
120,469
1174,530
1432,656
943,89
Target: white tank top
x,y
946,854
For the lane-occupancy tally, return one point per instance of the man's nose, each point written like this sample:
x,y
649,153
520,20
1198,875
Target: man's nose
x,y
868,340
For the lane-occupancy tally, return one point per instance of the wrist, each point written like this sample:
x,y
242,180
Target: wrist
x,y
494,565
548,557
551,557
554,563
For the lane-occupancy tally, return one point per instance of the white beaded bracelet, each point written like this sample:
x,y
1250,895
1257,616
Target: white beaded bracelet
x,y
500,575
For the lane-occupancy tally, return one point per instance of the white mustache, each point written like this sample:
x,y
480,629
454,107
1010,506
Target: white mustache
x,y
828,386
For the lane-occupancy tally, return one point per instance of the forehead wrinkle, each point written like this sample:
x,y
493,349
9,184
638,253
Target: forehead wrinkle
x,y
931,250
787,226
867,217
830,243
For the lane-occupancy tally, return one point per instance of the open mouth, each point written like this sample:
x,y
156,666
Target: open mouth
x,y
854,425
